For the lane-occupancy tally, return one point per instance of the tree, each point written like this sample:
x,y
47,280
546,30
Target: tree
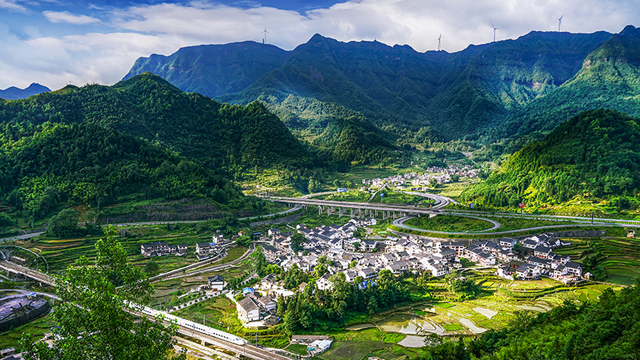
x,y
6,220
151,267
65,223
92,320
296,242
259,261
243,241
455,178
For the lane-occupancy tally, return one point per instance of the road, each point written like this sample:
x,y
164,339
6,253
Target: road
x,y
293,209
585,220
213,268
36,275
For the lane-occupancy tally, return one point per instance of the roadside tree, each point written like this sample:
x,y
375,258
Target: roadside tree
x,y
92,320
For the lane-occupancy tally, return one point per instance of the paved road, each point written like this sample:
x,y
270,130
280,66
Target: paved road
x,y
25,292
212,268
400,223
440,201
417,210
36,275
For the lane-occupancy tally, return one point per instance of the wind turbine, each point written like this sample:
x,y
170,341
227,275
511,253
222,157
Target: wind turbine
x,y
439,37
494,32
560,22
265,32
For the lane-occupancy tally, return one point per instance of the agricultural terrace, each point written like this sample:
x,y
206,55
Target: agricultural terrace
x,y
63,252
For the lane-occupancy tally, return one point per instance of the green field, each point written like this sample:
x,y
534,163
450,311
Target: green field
x,y
36,329
448,223
620,257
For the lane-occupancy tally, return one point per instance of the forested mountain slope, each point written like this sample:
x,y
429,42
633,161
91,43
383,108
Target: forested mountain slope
x,y
608,78
231,137
85,163
594,155
397,88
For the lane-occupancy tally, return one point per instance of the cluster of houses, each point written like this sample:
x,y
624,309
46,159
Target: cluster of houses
x,y
256,308
204,250
159,248
334,247
441,175
542,261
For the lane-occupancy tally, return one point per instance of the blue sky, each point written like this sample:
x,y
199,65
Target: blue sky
x,y
59,42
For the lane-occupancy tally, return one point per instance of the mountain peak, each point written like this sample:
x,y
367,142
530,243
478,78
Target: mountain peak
x,y
14,93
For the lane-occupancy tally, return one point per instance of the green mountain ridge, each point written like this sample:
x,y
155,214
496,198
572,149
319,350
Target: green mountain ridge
x,y
608,78
594,155
397,88
42,166
221,136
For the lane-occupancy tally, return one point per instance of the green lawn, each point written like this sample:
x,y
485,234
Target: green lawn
x,y
36,329
448,223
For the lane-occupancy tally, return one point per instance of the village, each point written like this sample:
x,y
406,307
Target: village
x,y
337,249
432,175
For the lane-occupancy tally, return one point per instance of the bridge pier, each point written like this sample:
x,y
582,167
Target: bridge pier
x,y
341,211
319,209
351,213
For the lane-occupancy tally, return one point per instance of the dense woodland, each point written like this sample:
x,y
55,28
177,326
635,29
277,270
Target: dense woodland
x,y
313,309
594,155
227,137
42,166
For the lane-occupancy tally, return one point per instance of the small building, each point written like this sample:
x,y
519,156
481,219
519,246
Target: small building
x,y
248,310
216,283
205,248
155,248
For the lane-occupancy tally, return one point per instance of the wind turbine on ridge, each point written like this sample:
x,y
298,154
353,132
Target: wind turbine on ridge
x,y
494,31
265,32
439,37
560,22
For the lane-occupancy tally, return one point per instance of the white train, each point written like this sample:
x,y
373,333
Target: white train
x,y
190,324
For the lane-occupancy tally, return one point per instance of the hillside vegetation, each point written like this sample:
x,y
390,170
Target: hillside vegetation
x,y
45,166
224,136
608,78
400,90
595,155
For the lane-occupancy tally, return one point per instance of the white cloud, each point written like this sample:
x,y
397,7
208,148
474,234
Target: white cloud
x,y
67,17
11,5
163,28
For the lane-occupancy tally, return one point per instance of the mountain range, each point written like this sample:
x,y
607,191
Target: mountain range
x,y
13,93
486,93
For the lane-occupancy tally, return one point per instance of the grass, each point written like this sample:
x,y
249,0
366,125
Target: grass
x,y
297,349
36,329
350,350
452,327
448,223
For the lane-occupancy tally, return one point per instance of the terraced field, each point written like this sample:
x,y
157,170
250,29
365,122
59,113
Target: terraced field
x,y
621,257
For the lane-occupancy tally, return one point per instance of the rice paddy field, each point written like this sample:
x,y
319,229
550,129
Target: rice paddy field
x,y
620,257
60,253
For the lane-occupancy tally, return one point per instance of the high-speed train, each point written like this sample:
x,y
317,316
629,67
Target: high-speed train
x,y
190,324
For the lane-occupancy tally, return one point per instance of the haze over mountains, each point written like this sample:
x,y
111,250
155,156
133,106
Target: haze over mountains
x,y
487,92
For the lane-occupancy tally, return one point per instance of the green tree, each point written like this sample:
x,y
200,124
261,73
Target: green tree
x,y
6,220
65,223
296,242
92,320
259,261
243,241
151,267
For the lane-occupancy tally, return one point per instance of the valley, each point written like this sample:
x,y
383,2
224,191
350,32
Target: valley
x,y
341,200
